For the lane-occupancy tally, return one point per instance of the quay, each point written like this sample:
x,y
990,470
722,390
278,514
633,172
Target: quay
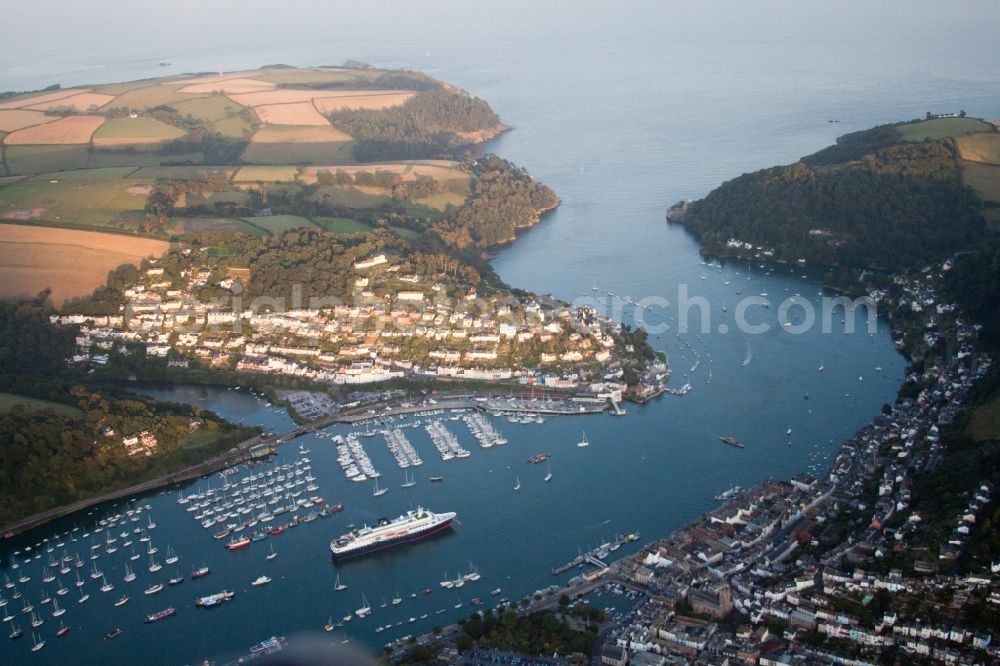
x,y
509,405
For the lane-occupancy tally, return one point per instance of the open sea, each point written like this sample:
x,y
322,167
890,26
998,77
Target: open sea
x,y
622,115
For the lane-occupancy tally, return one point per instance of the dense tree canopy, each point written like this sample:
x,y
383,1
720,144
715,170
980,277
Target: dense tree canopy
x,y
895,208
504,198
28,342
426,125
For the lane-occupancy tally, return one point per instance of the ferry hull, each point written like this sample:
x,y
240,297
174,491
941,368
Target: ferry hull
x,y
400,541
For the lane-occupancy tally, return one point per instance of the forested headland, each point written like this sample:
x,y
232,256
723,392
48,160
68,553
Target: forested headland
x,y
891,198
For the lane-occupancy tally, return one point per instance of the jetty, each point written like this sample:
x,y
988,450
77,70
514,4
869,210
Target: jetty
x,y
596,556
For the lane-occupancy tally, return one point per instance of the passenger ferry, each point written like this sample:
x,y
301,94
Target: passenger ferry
x,y
411,526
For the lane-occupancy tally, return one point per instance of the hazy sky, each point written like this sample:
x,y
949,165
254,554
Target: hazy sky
x,y
69,40
180,23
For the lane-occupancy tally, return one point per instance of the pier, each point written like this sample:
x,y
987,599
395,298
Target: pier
x,y
595,557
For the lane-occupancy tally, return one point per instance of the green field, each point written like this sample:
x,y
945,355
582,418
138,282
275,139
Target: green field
x,y
108,173
8,400
206,439
984,179
349,197
76,202
122,88
222,113
342,225
329,152
110,158
278,224
45,159
266,174
442,201
122,131
179,225
941,128
404,233
181,172
229,196
302,77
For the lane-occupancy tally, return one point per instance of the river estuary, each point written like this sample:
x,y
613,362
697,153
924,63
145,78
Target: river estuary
x,y
620,130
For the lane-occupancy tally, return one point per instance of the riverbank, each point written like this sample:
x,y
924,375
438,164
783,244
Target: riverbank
x,y
240,453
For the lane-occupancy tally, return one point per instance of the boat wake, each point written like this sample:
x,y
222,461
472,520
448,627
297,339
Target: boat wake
x,y
749,355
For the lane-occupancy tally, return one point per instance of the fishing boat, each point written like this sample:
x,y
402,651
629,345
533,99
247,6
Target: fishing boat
x,y
583,442
731,441
260,580
198,573
238,542
338,586
161,615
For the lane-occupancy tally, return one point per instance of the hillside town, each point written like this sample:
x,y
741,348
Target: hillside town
x,y
395,324
795,572
839,569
